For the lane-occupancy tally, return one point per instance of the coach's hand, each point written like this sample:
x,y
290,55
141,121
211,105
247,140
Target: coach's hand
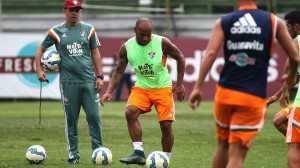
x,y
41,75
99,84
106,96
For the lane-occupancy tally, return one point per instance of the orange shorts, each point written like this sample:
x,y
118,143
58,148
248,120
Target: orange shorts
x,y
238,123
293,126
162,99
286,111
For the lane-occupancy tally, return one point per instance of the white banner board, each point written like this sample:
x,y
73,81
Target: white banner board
x,y
17,68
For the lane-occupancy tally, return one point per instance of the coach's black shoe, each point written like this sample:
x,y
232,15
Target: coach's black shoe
x,y
137,157
73,161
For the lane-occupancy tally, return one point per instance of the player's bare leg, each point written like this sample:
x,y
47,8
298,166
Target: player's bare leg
x,y
293,155
133,124
236,155
135,131
167,139
221,154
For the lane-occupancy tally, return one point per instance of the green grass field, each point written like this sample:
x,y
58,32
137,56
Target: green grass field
x,y
194,131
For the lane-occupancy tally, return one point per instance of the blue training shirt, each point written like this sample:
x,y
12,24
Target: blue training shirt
x,y
249,39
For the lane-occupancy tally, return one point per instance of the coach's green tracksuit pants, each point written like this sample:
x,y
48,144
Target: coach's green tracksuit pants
x,y
75,96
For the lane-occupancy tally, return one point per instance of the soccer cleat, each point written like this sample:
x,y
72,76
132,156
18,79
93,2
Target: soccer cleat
x,y
137,157
73,161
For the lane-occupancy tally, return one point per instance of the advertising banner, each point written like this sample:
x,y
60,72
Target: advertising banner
x,y
19,80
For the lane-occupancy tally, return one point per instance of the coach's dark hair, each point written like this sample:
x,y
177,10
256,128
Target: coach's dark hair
x,y
293,17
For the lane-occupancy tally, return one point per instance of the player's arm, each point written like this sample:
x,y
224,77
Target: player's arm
x,y
287,44
277,95
170,49
39,69
290,77
280,122
117,74
47,42
119,70
98,67
284,98
274,98
213,46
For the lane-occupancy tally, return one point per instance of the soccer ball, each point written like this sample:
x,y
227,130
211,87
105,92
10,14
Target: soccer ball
x,y
101,156
36,154
157,159
51,60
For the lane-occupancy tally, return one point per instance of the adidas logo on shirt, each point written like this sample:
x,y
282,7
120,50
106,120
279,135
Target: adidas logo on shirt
x,y
245,25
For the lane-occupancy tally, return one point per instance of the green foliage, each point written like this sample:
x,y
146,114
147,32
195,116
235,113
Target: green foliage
x,y
194,131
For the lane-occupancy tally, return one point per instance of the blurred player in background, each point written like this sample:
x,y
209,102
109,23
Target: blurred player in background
x,y
248,37
77,43
147,55
287,119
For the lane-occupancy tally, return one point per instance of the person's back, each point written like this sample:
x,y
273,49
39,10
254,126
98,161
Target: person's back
x,y
248,42
248,37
